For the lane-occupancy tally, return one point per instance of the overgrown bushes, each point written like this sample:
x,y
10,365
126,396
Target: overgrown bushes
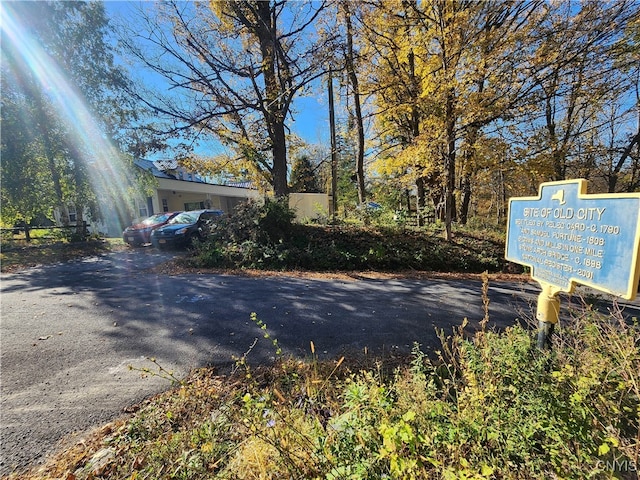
x,y
488,406
264,237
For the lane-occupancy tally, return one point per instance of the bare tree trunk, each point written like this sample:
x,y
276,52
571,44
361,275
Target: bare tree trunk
x,y
353,79
467,160
501,198
466,198
280,186
275,116
334,153
613,177
449,165
420,201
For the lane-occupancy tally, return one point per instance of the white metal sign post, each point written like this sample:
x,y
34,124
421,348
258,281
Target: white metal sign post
x,y
567,237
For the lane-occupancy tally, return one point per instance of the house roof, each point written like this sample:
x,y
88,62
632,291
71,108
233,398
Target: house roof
x,y
169,169
152,168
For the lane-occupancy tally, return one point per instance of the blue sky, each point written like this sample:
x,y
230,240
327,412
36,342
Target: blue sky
x,y
310,114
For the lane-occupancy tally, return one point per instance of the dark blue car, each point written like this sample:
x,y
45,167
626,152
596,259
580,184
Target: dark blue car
x,y
184,227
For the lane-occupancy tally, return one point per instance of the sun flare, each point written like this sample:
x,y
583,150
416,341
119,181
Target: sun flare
x,y
103,161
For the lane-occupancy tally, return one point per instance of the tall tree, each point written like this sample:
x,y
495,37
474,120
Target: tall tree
x,y
393,36
58,60
459,64
578,84
479,64
492,83
626,148
352,75
26,184
233,70
579,81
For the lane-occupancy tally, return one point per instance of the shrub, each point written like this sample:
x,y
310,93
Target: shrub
x,y
267,222
275,220
264,237
486,406
254,236
495,407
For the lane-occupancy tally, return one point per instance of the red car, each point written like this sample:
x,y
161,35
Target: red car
x,y
138,234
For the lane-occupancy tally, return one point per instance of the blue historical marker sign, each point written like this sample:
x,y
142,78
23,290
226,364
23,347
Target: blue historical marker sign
x,y
568,237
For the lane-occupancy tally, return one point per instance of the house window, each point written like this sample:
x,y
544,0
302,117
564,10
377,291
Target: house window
x,y
165,205
73,214
194,206
142,210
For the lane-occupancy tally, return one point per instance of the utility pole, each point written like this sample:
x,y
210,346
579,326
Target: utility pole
x,y
334,156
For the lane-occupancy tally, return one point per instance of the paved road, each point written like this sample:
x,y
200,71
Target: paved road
x,y
69,332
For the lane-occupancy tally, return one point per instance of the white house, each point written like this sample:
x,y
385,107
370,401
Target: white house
x,y
178,189
181,190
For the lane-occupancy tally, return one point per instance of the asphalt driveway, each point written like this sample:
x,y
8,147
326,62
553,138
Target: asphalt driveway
x,y
69,332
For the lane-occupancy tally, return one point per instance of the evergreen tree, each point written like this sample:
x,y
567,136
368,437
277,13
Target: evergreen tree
x,y
303,176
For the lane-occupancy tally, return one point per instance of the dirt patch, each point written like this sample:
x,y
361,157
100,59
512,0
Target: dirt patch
x,y
179,267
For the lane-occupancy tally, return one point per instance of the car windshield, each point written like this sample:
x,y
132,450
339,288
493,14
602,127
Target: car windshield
x,y
161,217
185,217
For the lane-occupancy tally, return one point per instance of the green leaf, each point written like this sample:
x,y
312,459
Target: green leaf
x,y
486,471
603,449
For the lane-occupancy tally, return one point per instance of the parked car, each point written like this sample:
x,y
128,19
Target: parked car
x,y
184,227
138,234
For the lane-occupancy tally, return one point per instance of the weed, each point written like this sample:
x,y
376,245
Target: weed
x,y
240,363
159,372
487,406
